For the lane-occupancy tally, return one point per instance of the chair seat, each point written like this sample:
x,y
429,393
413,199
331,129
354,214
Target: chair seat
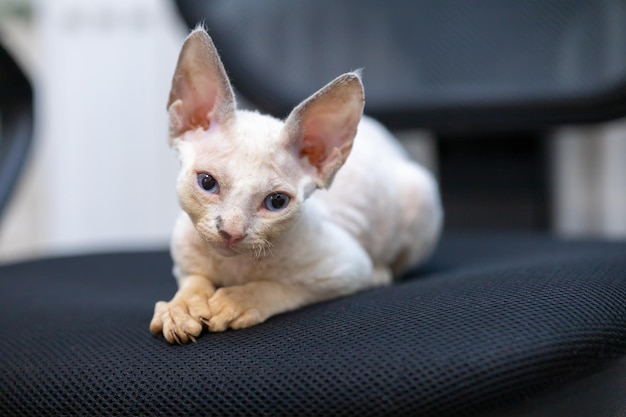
x,y
488,322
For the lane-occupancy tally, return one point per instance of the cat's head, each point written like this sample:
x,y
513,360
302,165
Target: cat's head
x,y
245,176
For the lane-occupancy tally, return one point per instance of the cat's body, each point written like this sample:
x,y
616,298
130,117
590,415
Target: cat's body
x,y
255,237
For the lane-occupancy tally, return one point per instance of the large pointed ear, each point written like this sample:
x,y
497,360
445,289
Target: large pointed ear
x,y
322,128
201,93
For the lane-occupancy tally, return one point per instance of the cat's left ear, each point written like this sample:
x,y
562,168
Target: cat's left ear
x,y
322,128
201,93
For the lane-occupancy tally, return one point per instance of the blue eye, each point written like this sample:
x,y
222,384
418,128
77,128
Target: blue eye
x,y
276,201
208,183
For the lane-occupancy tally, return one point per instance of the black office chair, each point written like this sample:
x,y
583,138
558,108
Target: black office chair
x,y
515,324
443,66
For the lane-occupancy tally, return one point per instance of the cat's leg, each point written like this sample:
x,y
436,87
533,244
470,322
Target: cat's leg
x,y
339,267
421,216
245,305
382,275
181,319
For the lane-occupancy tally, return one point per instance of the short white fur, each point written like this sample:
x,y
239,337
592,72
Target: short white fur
x,y
359,212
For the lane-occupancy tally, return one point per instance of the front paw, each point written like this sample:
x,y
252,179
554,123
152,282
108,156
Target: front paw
x,y
233,307
181,319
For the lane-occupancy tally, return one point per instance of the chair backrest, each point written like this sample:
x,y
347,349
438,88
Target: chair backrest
x,y
449,64
16,124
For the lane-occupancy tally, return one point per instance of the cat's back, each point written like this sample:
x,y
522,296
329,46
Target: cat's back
x,y
382,197
370,170
372,142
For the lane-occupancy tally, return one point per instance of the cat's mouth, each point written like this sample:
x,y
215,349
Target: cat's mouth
x,y
254,251
225,249
229,249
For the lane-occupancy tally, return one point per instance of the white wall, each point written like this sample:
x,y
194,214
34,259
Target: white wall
x,y
102,175
589,180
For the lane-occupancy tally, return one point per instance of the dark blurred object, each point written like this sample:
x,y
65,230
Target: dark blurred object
x,y
16,120
495,181
440,65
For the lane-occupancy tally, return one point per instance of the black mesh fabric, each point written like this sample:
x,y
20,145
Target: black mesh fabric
x,y
488,322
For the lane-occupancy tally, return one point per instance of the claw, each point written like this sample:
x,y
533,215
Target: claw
x,y
193,339
175,336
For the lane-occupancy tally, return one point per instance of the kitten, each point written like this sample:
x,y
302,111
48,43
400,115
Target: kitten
x,y
262,231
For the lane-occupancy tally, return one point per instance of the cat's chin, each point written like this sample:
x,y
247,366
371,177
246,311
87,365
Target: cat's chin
x,y
225,250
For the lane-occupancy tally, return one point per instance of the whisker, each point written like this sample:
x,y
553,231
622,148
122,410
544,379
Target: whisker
x,y
258,249
268,245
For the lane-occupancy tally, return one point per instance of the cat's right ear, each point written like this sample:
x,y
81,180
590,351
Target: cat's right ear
x,y
201,94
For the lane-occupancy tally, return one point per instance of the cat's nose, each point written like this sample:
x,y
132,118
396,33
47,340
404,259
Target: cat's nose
x,y
231,239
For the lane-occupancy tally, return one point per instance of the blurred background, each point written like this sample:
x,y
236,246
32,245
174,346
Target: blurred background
x,y
100,175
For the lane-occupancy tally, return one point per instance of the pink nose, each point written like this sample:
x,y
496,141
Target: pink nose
x,y
231,239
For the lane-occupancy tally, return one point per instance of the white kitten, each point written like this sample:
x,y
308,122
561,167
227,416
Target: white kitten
x,y
256,238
